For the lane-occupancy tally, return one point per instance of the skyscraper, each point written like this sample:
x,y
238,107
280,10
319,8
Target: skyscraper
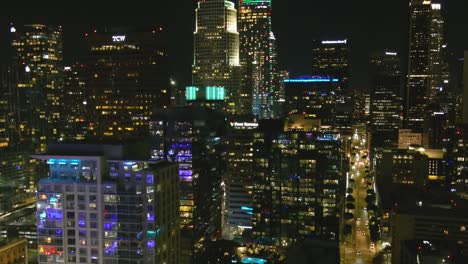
x,y
386,102
331,57
75,122
216,53
190,137
438,54
98,205
297,195
37,73
258,56
427,66
240,171
127,77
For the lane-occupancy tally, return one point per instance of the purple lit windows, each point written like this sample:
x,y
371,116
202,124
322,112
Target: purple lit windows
x,y
150,179
111,249
150,244
109,226
54,213
150,217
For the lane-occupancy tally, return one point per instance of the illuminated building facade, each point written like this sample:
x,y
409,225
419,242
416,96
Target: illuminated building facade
x,y
216,53
386,109
9,134
438,55
403,167
37,67
15,252
313,97
258,57
240,171
126,77
427,68
191,137
331,57
102,209
75,121
17,178
459,152
302,196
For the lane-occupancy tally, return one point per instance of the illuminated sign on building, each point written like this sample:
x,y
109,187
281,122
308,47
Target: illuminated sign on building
x,y
118,38
244,124
335,41
391,53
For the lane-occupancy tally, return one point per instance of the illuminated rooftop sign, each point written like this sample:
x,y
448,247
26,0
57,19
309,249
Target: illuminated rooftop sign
x,y
118,38
390,53
335,41
244,124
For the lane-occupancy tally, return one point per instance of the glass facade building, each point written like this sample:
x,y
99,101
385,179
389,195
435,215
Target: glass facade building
x,y
258,58
36,71
191,138
386,104
313,97
91,209
427,65
216,51
127,76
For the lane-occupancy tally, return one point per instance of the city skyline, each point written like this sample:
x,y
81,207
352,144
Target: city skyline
x,y
370,26
234,131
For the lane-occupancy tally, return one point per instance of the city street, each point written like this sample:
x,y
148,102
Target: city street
x,y
356,247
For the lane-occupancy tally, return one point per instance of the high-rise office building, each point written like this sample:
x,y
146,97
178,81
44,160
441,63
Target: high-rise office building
x,y
17,177
126,78
216,54
8,122
74,121
96,205
438,55
427,65
313,97
464,110
331,57
258,56
191,137
386,110
240,174
36,71
297,194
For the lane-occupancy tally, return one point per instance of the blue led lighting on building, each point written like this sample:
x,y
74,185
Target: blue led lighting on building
x,y
246,208
312,80
249,260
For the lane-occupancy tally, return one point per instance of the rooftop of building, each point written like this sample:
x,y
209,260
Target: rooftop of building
x,y
111,149
7,243
429,202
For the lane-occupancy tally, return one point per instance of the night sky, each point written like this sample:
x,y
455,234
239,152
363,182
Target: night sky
x,y
370,24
